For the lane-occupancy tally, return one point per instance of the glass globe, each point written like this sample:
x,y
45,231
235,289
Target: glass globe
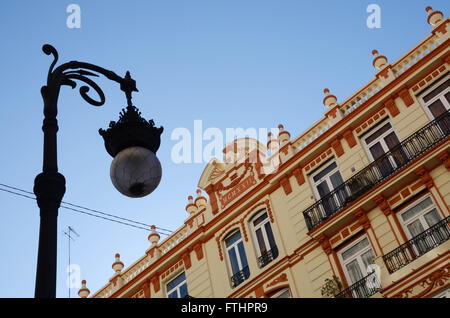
x,y
135,172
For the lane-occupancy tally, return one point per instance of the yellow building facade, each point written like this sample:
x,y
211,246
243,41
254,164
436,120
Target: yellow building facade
x,y
362,195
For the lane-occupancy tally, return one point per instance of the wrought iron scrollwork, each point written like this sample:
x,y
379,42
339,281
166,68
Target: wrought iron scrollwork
x,y
69,73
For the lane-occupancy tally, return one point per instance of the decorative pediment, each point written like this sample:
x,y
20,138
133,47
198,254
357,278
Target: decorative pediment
x,y
235,153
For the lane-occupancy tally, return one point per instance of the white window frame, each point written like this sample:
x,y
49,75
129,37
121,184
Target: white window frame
x,y
177,287
324,178
419,216
357,256
428,90
263,231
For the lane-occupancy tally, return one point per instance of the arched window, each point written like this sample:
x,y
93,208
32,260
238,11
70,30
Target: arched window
x,y
237,258
262,232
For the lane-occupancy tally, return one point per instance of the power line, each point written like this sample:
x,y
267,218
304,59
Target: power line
x,y
64,203
88,209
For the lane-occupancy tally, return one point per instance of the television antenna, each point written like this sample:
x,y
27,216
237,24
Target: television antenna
x,y
68,233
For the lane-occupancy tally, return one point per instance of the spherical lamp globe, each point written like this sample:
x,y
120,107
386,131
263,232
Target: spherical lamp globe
x,y
135,172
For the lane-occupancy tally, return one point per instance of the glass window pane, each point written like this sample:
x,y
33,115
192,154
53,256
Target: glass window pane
x,y
173,294
436,91
183,290
270,235
437,108
355,249
378,133
354,272
367,259
415,228
377,151
336,179
233,260
285,294
261,243
324,172
323,189
175,282
415,210
234,238
260,219
432,217
391,140
447,97
242,255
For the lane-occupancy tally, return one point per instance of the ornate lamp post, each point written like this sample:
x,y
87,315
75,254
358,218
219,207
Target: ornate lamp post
x,y
133,142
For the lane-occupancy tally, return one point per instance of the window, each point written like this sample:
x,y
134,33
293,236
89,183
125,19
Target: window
x,y
420,217
177,288
262,231
324,182
283,293
442,294
358,263
237,259
418,222
382,141
436,102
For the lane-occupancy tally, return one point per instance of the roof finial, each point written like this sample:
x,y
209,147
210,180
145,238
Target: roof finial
x,y
117,266
153,237
84,291
200,200
191,208
283,135
379,61
329,100
434,17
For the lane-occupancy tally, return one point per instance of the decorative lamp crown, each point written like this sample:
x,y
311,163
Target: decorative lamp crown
x,y
131,130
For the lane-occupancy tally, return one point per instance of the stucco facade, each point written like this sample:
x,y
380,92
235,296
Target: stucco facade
x,y
369,183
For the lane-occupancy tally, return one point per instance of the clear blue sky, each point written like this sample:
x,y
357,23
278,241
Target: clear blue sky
x,y
230,63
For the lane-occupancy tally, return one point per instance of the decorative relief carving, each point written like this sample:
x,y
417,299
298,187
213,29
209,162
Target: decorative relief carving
x,y
280,279
438,278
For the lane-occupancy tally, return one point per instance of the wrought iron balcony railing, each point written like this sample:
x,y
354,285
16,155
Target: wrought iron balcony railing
x,y
240,276
379,170
418,245
267,257
364,288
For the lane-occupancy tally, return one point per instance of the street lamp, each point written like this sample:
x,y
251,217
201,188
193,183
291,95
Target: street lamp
x,y
132,141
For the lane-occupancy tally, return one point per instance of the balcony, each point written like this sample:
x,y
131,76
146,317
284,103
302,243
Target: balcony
x,y
364,288
267,257
240,276
378,171
417,246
